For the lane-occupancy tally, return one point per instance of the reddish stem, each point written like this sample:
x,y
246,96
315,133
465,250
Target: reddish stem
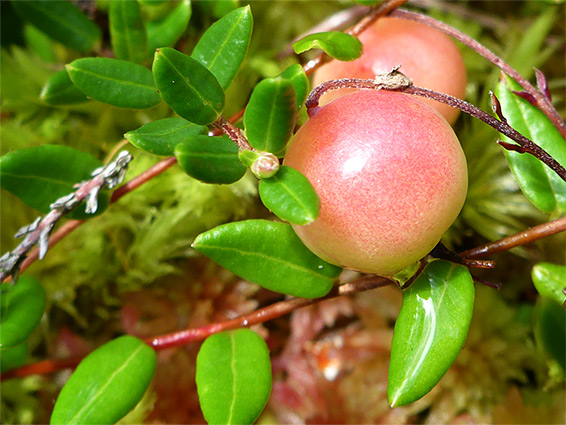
x,y
522,238
541,99
188,336
393,82
375,13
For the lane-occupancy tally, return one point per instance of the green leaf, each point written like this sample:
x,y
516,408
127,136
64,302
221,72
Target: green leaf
x,y
223,47
270,254
430,330
367,2
166,32
160,137
22,307
270,116
298,77
550,281
60,90
233,377
42,174
216,9
127,31
550,329
529,53
107,384
39,43
542,186
14,357
210,159
336,44
62,21
290,196
187,86
116,82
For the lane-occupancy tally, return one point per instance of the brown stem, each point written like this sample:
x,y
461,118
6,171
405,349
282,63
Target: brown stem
x,y
262,315
541,99
522,238
382,82
375,13
233,132
198,334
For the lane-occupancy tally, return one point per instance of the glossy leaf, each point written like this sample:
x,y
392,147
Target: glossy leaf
x,y
223,47
233,377
550,281
210,159
187,86
269,118
42,174
60,90
430,330
298,77
336,44
550,329
290,196
270,254
11,358
22,307
116,82
127,31
160,137
62,21
542,186
107,384
166,32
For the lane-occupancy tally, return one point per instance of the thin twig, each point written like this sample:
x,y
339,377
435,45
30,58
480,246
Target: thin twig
x,y
522,238
38,232
233,132
188,336
541,99
392,82
375,13
262,315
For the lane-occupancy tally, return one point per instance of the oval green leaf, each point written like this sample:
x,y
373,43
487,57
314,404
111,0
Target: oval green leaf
x,y
224,45
127,31
270,254
339,45
210,159
42,174
22,307
233,377
116,82
550,281
430,330
39,43
62,21
14,357
107,384
290,196
298,77
166,31
160,137
60,90
269,118
550,329
187,86
542,186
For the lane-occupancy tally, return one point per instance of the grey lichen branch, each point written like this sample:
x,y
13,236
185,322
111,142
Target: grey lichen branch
x,y
38,232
